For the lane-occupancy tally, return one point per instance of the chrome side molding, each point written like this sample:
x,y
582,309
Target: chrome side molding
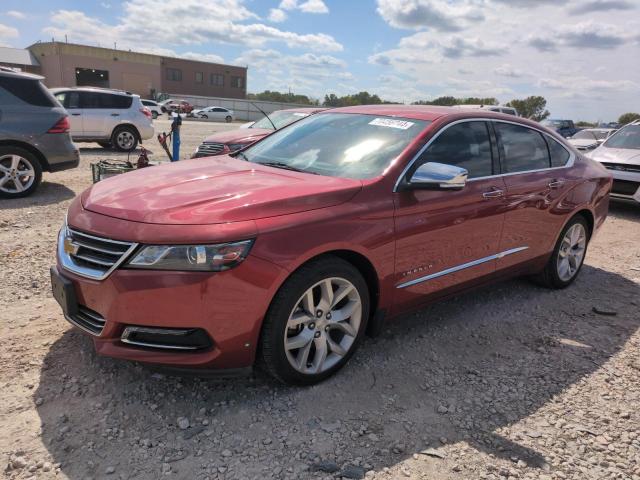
x,y
463,266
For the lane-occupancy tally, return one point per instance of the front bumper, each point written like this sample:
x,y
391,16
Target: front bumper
x,y
229,306
625,185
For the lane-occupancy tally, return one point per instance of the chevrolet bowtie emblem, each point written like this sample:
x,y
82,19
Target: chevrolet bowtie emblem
x,y
70,247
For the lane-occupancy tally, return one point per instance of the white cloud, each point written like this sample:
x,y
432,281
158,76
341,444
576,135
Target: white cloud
x,y
507,70
314,6
277,15
583,35
7,32
430,14
16,14
210,23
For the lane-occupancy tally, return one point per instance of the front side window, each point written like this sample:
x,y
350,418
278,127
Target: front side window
x,y
523,149
626,137
466,145
559,154
337,144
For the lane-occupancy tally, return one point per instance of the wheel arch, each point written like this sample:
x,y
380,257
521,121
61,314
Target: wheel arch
x,y
588,216
125,124
31,149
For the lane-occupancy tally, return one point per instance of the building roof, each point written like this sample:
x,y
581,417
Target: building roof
x,y
18,56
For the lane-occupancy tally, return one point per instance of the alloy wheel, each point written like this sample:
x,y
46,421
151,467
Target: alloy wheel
x,y
323,325
16,174
125,140
571,252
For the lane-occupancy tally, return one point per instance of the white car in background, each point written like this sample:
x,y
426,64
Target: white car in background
x,y
111,118
620,154
491,108
590,138
215,114
155,107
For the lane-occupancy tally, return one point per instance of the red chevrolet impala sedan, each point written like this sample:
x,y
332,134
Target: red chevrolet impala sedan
x,y
285,253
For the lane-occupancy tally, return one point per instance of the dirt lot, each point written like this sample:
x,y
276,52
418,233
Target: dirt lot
x,y
512,381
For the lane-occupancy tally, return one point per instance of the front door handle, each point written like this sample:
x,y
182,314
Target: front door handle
x,y
75,114
556,184
115,114
493,193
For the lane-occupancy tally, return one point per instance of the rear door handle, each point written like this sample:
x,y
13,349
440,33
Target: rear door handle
x,y
494,193
556,184
75,114
115,114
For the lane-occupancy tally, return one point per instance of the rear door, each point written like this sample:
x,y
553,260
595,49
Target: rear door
x,y
534,187
445,238
71,101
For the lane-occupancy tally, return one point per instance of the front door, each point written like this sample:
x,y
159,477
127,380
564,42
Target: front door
x,y
445,238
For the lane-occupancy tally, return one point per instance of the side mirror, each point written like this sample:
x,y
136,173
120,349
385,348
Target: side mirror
x,y
438,176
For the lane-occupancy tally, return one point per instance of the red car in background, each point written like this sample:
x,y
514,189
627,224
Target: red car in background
x,y
221,143
178,106
286,252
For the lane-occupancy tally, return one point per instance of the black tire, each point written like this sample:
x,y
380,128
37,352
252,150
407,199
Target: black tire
x,y
154,114
131,135
550,277
106,145
204,115
26,158
228,119
272,356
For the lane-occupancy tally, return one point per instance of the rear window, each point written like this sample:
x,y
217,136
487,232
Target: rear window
x,y
105,100
28,90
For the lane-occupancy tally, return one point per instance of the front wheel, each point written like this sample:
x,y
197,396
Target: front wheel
x,y
228,119
20,172
315,322
568,255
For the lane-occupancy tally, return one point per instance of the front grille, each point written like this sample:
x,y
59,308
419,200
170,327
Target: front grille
x,y
88,320
624,187
91,256
207,149
622,167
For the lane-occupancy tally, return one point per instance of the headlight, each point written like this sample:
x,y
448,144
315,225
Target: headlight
x,y
236,146
201,258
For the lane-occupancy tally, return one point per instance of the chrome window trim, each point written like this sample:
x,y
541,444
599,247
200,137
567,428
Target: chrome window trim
x,y
463,266
569,164
86,272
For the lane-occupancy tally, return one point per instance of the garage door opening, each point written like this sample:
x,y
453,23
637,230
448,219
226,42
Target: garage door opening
x,y
90,77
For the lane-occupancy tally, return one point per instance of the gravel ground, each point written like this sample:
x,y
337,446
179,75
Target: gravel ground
x,y
512,381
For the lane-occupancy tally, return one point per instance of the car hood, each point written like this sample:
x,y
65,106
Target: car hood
x,y
616,155
214,190
244,135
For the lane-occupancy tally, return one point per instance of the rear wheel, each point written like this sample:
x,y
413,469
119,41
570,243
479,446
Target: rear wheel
x,y
568,255
125,139
315,322
20,172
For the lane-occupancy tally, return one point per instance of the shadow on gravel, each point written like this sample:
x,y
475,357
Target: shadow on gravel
x,y
456,371
625,209
48,193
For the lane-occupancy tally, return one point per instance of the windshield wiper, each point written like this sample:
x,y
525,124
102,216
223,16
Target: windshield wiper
x,y
241,155
284,166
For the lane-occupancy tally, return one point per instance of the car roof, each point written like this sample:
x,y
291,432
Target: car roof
x,y
92,89
430,112
9,72
308,110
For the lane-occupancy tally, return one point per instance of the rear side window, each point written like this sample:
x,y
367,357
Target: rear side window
x,y
105,100
28,90
466,145
523,149
559,154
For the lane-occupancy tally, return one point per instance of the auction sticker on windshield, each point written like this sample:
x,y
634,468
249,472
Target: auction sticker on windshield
x,y
391,123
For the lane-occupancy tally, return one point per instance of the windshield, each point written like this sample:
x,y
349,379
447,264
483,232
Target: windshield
x,y
601,134
338,144
281,118
626,137
585,135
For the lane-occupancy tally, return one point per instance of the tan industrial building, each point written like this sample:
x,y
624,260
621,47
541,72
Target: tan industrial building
x,y
67,64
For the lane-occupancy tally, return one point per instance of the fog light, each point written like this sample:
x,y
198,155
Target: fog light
x,y
167,338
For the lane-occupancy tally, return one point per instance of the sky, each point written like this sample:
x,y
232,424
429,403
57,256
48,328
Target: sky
x,y
583,56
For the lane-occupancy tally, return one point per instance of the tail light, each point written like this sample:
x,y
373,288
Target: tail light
x,y
61,126
146,112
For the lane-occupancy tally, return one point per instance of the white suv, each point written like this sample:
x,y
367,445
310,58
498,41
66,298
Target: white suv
x,y
112,118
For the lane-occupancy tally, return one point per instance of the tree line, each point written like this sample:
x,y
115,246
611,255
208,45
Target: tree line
x,y
533,107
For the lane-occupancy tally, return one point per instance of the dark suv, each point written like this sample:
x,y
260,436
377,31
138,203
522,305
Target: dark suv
x,y
34,134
